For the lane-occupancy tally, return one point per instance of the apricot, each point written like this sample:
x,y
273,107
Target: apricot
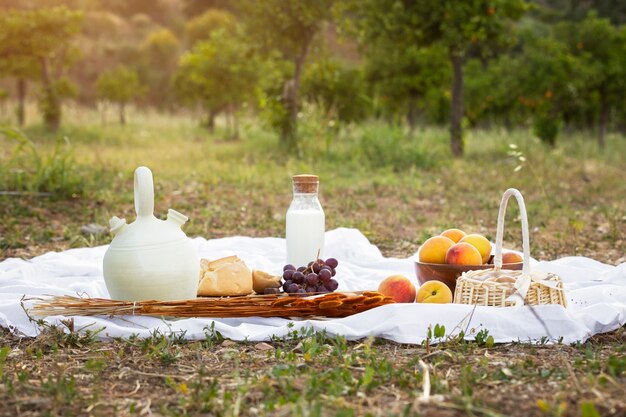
x,y
398,287
433,251
453,234
434,292
463,254
511,258
481,243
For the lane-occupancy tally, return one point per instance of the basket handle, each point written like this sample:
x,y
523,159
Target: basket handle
x,y
500,231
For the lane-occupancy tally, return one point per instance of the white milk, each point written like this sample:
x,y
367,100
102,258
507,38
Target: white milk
x,y
305,234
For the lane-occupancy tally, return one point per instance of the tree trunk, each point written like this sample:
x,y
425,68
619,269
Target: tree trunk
x,y
604,115
291,94
51,105
210,122
235,122
21,99
290,98
456,106
411,115
122,113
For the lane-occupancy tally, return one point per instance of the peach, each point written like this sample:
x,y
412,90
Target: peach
x,y
511,258
463,254
398,287
433,251
434,292
453,234
481,243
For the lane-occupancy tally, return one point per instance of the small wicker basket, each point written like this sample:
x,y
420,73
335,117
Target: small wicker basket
x,y
505,288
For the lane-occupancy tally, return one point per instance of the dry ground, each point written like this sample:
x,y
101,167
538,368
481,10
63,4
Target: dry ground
x,y
310,375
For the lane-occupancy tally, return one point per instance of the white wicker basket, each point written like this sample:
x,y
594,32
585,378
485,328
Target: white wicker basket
x,y
505,288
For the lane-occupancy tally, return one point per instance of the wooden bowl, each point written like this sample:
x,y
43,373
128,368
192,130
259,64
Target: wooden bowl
x,y
449,273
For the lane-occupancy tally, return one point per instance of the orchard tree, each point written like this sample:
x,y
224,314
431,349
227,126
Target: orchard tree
x,y
408,80
601,50
193,8
339,93
200,27
548,80
39,41
159,57
337,89
287,27
121,86
218,74
462,27
22,69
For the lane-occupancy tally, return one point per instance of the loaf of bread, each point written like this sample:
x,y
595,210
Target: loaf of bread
x,y
224,277
262,280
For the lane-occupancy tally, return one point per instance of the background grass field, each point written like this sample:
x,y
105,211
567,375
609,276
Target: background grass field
x,y
396,187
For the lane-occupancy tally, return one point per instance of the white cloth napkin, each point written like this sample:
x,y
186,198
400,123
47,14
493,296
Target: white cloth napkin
x,y
596,294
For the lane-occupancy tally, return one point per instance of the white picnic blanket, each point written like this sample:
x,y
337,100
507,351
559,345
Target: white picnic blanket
x,y
596,294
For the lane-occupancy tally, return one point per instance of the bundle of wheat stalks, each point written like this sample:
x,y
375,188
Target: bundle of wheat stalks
x,y
272,305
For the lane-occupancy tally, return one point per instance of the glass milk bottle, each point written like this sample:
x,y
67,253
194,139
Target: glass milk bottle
x,y
305,222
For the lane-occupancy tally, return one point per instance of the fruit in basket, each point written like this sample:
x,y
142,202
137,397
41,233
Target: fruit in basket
x,y
316,277
434,250
463,254
511,258
453,234
398,287
481,243
434,292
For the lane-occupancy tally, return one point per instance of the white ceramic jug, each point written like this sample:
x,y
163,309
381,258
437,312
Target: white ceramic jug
x,y
150,259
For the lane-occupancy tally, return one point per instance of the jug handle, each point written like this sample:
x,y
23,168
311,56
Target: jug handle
x,y
144,192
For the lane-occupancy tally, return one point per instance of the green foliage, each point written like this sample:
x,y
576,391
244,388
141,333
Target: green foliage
x,y
119,85
26,169
388,147
547,128
483,338
160,46
200,27
544,65
460,28
219,74
159,55
40,41
286,26
285,30
408,80
338,90
587,409
599,48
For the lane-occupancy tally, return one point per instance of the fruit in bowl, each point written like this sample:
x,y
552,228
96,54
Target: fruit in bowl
x,y
463,254
434,250
453,234
481,243
511,258
441,259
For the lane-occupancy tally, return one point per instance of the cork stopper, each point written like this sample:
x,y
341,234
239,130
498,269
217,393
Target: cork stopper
x,y
306,184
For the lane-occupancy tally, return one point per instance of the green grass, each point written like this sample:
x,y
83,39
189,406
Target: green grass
x,y
397,187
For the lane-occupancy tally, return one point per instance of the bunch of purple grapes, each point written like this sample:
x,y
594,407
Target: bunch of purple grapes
x,y
316,277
